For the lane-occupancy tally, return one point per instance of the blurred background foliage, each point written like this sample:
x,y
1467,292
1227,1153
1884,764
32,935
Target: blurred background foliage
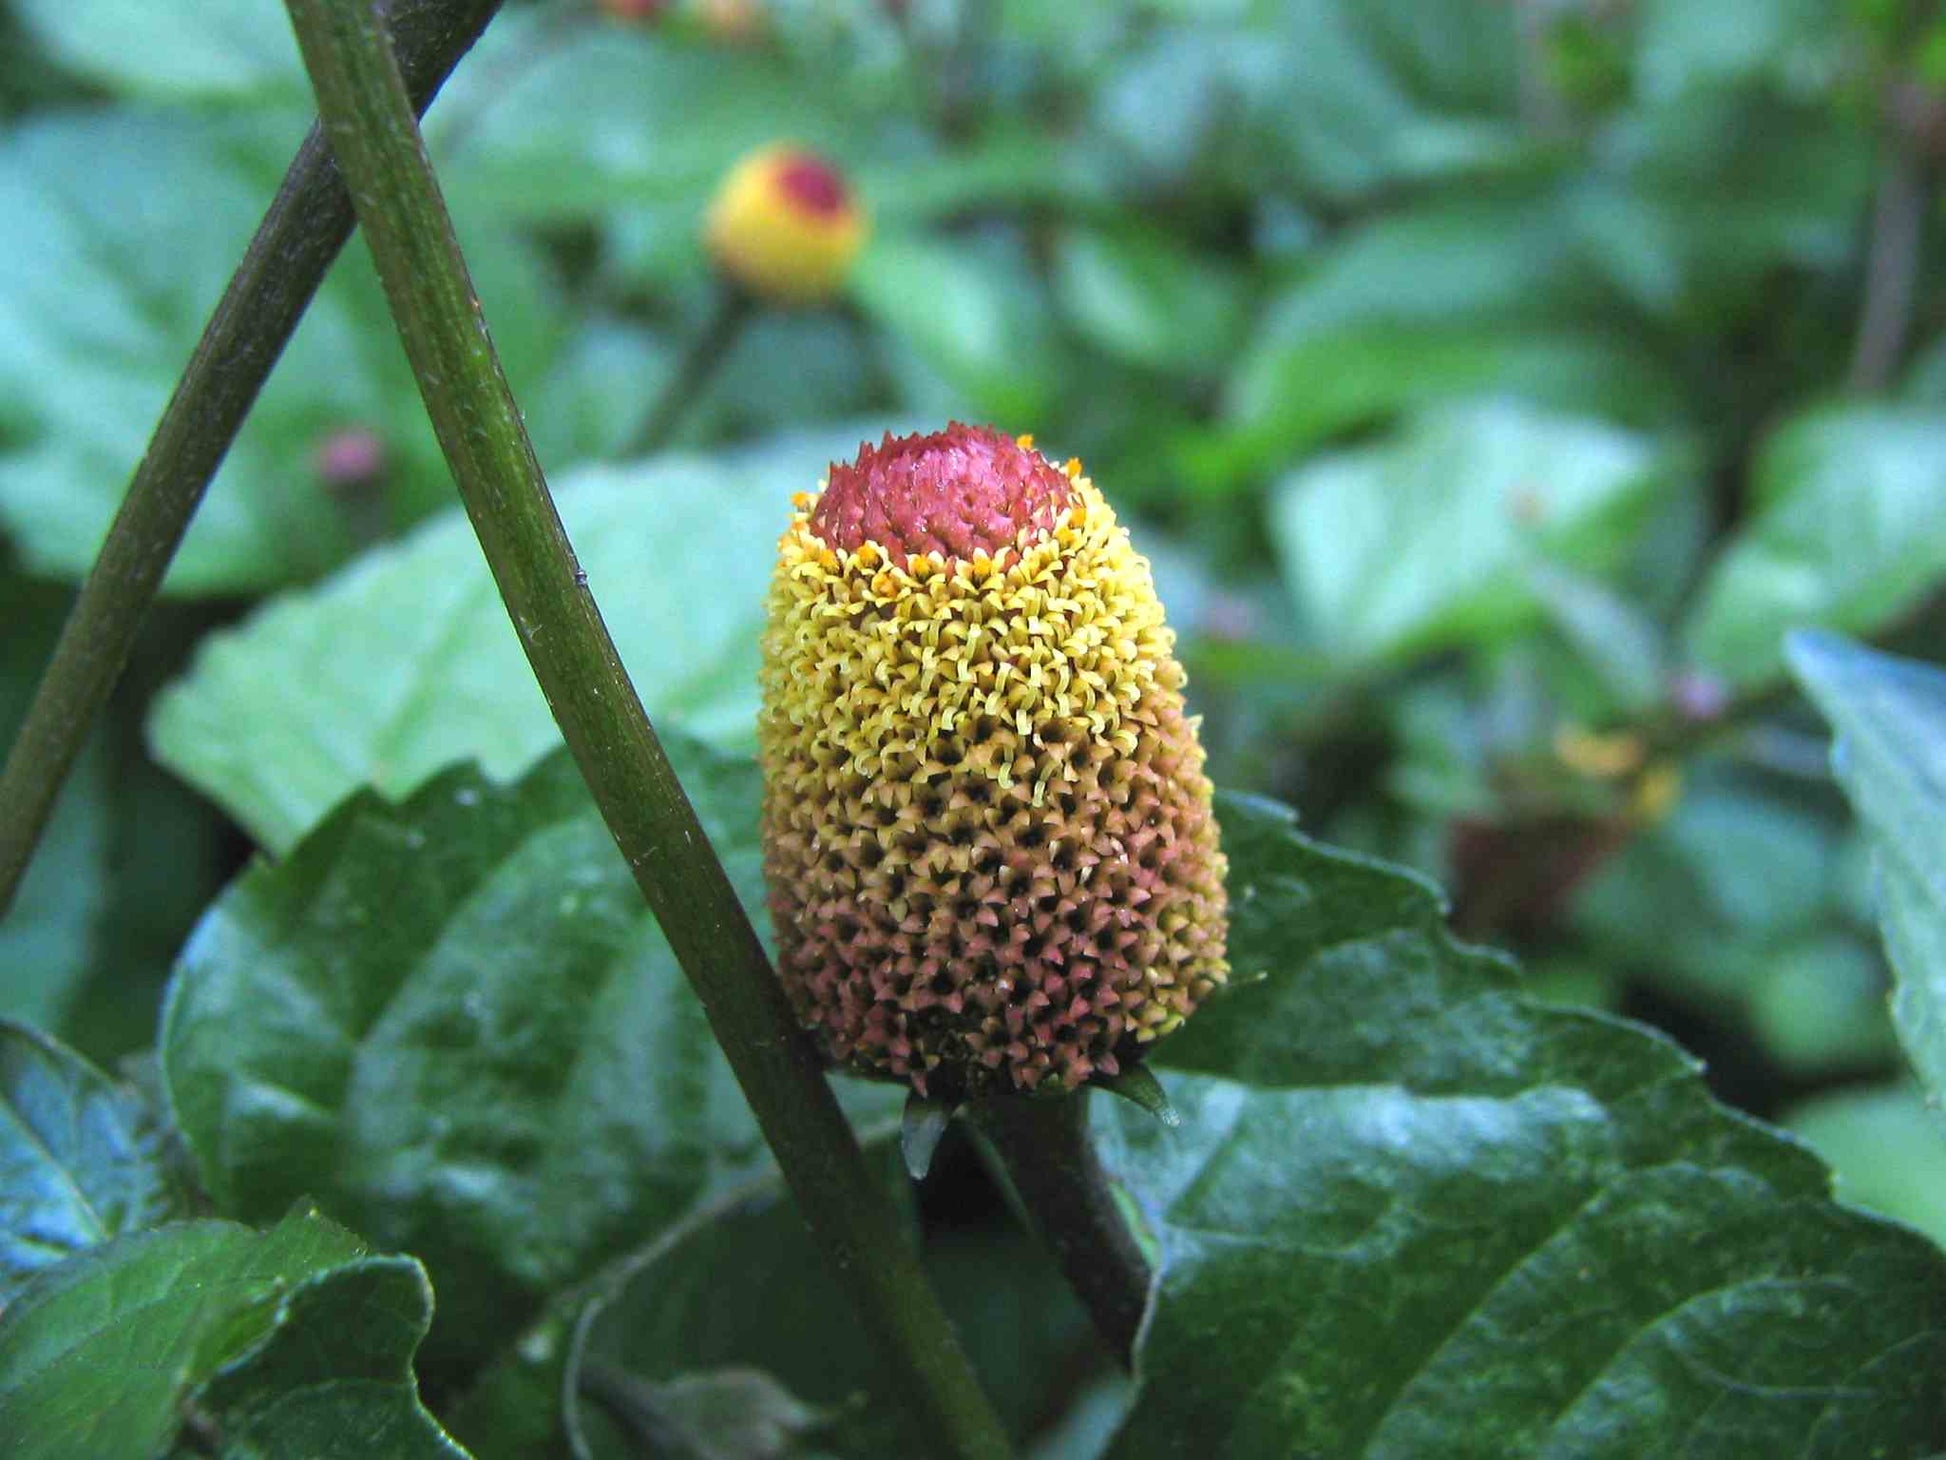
x,y
1492,382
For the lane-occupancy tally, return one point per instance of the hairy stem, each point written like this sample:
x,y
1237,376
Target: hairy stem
x,y
698,365
371,128
1043,1146
294,246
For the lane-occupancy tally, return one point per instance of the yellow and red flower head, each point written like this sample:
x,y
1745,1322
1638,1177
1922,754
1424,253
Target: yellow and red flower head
x,y
987,831
786,226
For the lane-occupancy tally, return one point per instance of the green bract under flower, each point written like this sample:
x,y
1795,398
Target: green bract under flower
x,y
987,830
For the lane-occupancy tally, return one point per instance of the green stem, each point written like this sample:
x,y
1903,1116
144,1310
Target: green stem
x,y
698,365
287,259
405,223
1043,1146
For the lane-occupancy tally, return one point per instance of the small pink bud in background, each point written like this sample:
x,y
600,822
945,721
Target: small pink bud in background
x,y
1697,696
349,459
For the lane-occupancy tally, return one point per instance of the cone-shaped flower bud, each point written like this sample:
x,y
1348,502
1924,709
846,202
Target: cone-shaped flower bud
x,y
785,226
987,831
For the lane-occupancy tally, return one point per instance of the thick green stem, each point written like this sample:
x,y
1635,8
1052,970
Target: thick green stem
x,y
287,259
1042,1145
698,365
404,220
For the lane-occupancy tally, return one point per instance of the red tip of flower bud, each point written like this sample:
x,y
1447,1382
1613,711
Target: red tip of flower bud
x,y
957,492
634,9
812,185
350,458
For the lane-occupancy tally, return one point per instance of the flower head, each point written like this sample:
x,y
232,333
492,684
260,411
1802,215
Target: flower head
x,y
786,226
987,832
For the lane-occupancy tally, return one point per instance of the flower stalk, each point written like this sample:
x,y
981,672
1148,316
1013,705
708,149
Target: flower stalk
x,y
372,131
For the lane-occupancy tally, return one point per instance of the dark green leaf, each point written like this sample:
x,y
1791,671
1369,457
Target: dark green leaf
x,y
1424,542
333,1380
98,1354
743,1288
81,1160
1410,1212
1890,719
454,1022
406,661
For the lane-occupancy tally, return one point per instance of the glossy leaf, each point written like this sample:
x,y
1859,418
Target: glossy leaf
x,y
98,1354
1426,541
334,1380
742,1290
454,1023
1425,1215
1848,531
1890,719
81,1159
406,662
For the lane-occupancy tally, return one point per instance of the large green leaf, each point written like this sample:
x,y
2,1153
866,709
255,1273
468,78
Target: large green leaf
x,y
744,1291
406,661
1890,719
120,229
215,48
1428,540
455,1024
1848,532
334,1380
1408,1211
81,1160
99,1353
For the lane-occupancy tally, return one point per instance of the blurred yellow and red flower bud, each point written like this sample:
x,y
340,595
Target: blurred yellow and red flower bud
x,y
987,832
786,226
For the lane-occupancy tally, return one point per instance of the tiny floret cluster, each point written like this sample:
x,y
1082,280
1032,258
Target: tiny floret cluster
x,y
987,832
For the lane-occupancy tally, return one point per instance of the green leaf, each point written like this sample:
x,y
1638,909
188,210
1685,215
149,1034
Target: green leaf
x,y
406,661
1147,300
654,119
99,1353
743,1289
1848,533
1734,42
1452,296
231,49
972,316
1886,1152
1427,1215
81,1160
454,1022
120,229
1425,541
1890,719
1739,869
334,1380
